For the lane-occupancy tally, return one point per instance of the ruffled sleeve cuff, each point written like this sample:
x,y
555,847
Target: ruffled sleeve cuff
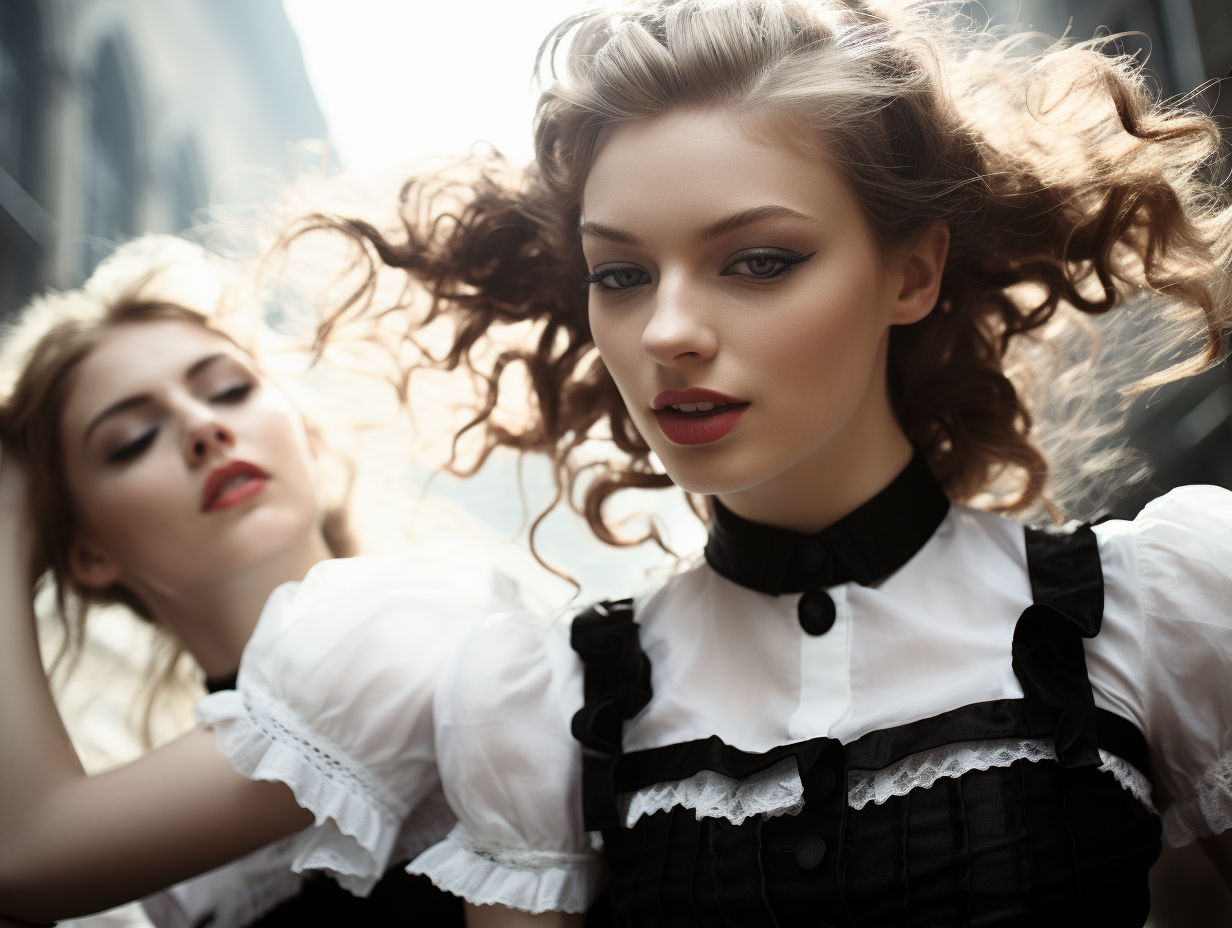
x,y
357,819
1204,812
533,881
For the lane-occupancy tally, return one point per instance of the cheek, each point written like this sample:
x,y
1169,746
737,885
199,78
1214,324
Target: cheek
x,y
823,344
619,340
273,435
140,513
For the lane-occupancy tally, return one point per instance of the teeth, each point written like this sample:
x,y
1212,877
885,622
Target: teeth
x,y
231,483
694,407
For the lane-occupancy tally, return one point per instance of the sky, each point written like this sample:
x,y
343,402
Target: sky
x,y
400,80
404,79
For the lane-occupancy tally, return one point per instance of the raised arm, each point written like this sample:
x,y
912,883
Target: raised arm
x,y
71,844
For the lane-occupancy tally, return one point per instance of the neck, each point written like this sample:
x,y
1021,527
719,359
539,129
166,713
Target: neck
x,y
215,620
850,468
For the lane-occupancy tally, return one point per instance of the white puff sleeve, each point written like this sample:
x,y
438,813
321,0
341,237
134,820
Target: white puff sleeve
x,y
512,772
334,698
1175,561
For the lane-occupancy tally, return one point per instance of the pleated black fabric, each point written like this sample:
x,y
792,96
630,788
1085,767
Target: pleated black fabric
x,y
1032,843
1052,842
399,900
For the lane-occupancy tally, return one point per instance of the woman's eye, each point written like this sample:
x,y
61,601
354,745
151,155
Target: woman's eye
x,y
234,394
765,263
133,448
618,278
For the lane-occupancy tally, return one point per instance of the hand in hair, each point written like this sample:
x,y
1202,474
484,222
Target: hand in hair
x,y
71,844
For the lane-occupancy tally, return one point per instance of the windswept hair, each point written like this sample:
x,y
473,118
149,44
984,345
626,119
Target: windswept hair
x,y
1067,186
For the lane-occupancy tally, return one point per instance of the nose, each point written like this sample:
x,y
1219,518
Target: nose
x,y
205,438
680,328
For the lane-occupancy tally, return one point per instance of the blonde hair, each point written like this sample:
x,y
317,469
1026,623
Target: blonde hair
x,y
1066,185
152,278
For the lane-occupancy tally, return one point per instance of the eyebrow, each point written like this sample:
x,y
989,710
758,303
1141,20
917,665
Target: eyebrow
x,y
712,231
138,399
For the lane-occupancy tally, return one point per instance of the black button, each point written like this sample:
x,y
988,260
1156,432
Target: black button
x,y
816,612
810,556
809,852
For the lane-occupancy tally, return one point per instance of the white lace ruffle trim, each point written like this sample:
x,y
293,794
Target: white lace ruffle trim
x,y
920,771
779,791
533,881
773,792
1208,811
357,819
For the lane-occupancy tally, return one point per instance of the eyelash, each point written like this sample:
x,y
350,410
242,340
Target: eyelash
x,y
789,259
235,394
133,449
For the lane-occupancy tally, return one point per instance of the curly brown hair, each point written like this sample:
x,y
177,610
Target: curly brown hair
x,y
1067,187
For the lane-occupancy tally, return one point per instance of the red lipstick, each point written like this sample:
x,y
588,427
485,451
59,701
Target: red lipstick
x,y
232,484
683,423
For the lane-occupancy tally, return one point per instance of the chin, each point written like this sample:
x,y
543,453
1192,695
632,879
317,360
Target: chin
x,y
268,532
713,473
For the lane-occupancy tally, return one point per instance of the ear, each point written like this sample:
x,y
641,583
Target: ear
x,y
90,566
921,273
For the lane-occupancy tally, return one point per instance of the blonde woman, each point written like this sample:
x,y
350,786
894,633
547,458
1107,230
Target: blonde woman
x,y
148,461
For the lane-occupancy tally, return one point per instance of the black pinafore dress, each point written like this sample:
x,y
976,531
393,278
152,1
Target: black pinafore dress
x,y
1043,842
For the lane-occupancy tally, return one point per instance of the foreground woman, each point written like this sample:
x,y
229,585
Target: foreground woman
x,y
814,241
147,462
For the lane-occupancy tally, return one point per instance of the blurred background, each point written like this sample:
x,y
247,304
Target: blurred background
x,y
119,117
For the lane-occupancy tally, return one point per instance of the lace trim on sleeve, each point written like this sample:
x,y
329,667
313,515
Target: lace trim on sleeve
x,y
779,791
357,819
533,881
1208,811
773,792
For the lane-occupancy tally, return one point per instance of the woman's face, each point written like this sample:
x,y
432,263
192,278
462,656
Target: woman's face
x,y
737,298
184,466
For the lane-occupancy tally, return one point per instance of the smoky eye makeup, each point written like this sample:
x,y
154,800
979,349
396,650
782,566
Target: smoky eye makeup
x,y
225,381
765,263
128,434
615,279
234,393
128,450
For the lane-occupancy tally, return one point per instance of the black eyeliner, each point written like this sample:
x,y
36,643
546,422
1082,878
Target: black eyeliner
x,y
133,448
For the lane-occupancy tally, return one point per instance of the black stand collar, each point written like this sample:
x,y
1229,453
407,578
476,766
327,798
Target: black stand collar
x,y
867,545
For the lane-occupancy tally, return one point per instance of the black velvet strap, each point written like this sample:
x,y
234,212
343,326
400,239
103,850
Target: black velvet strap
x,y
681,761
1049,658
982,721
866,546
617,681
615,687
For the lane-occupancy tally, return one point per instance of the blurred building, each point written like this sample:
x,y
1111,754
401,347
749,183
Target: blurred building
x,y
118,116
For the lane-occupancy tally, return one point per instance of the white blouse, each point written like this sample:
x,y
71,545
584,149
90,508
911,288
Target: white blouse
x,y
334,698
934,636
